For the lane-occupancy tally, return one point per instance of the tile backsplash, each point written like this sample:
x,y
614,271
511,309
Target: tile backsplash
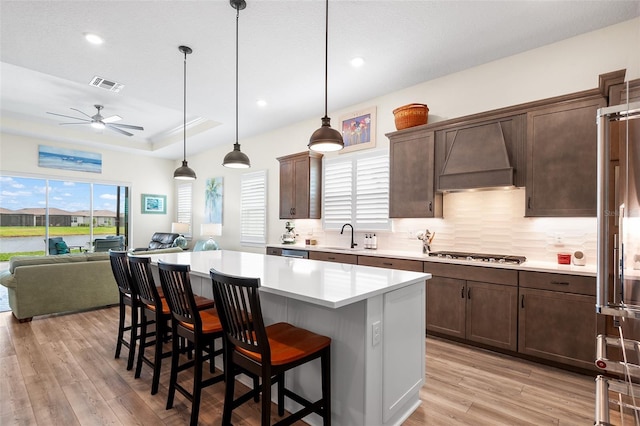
x,y
481,221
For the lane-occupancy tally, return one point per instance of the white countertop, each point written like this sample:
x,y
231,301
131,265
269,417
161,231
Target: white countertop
x,y
322,283
535,266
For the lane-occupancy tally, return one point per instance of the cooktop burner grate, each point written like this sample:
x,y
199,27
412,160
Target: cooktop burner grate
x,y
481,257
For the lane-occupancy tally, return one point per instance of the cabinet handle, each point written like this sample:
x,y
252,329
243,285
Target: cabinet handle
x,y
294,211
462,292
430,206
560,282
387,263
529,203
331,258
469,293
522,302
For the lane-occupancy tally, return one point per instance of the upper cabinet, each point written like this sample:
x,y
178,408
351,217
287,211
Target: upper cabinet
x,y
561,158
300,185
411,175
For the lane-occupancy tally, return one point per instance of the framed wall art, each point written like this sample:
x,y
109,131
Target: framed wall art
x,y
69,159
213,194
359,130
154,204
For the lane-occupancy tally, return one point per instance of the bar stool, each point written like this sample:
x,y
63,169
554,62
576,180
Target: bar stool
x,y
266,351
127,297
200,328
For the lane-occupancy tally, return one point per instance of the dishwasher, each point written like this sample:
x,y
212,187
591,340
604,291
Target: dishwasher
x,y
299,254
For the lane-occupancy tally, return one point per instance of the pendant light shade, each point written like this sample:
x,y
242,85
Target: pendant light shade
x,y
326,139
184,172
236,159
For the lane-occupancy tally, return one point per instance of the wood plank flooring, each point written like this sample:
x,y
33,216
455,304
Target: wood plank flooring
x,y
60,370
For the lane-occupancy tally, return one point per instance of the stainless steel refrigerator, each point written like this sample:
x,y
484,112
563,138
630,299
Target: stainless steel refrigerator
x,y
618,273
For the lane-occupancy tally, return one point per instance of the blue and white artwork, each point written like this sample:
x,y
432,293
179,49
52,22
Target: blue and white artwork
x,y
69,159
213,200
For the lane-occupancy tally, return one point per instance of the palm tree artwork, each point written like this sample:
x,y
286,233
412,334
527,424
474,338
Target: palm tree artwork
x,y
213,200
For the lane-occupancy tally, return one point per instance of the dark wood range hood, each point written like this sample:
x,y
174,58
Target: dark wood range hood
x,y
480,155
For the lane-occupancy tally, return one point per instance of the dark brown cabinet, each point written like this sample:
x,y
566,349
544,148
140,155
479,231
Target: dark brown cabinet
x,y
274,251
411,175
300,185
391,263
561,158
473,303
351,259
557,318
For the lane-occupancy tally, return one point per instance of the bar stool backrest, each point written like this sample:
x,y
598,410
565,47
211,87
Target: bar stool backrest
x,y
121,271
176,286
140,267
238,302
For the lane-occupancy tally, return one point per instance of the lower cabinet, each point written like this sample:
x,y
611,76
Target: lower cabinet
x,y
473,303
557,318
351,259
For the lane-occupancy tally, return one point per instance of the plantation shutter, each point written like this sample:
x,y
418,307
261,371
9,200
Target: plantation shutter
x,y
356,191
185,205
253,208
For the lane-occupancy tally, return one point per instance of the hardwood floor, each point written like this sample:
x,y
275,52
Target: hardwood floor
x,y
60,370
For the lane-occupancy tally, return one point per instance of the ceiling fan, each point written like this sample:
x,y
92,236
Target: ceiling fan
x,y
97,121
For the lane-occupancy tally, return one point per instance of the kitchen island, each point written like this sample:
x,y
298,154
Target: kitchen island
x,y
374,316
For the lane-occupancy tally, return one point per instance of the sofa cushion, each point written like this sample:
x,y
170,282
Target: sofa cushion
x,y
17,261
102,255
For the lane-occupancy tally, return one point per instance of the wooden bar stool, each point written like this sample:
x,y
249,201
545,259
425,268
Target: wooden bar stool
x,y
266,351
128,297
200,328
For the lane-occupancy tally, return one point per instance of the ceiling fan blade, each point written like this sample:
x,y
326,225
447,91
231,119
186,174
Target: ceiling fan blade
x,y
76,109
111,119
128,126
114,128
68,116
64,124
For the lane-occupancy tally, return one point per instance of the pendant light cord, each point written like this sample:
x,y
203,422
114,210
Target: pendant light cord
x,y
184,109
326,57
237,20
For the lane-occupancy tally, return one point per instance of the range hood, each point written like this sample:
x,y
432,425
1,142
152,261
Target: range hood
x,y
479,156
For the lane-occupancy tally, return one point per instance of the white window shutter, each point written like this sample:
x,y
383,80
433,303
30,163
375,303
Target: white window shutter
x,y
253,208
185,205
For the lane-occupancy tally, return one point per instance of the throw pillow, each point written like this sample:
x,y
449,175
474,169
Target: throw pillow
x,y
62,247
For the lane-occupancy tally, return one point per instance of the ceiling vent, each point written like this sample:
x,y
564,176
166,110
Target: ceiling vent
x,y
111,86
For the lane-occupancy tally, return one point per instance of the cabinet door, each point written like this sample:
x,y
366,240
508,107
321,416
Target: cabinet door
x,y
411,176
274,251
333,257
561,159
287,182
445,311
492,314
558,326
389,263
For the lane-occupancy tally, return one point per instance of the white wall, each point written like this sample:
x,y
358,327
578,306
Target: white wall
x,y
557,69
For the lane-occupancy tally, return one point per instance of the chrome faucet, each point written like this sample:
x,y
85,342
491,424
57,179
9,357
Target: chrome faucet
x,y
342,231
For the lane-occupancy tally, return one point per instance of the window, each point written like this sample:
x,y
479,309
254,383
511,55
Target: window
x,y
185,205
356,191
253,208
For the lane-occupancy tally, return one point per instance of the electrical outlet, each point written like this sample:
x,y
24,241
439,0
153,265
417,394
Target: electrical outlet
x,y
557,239
411,235
376,333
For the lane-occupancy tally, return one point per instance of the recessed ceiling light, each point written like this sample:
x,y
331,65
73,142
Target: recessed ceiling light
x,y
261,103
357,62
93,38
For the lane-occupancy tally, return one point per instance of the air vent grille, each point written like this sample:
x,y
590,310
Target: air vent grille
x,y
111,86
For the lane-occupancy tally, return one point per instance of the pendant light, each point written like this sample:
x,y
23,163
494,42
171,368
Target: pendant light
x,y
184,172
236,159
326,139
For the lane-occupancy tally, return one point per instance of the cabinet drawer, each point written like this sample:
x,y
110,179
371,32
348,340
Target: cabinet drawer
x,y
334,257
274,251
576,284
473,273
390,263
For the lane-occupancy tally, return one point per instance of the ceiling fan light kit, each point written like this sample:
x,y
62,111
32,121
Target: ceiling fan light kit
x,y
236,159
326,139
184,172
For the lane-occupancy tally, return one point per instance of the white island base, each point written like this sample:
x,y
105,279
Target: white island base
x,y
378,341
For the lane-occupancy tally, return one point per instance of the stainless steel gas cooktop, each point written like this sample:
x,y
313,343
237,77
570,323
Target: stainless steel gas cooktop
x,y
480,257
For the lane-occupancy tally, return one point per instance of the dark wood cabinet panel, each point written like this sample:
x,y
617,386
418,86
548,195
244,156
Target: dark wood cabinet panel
x,y
274,251
492,314
334,257
558,326
561,158
391,263
300,186
445,306
411,175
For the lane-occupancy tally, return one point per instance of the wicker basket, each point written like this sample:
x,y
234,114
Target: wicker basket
x,y
410,115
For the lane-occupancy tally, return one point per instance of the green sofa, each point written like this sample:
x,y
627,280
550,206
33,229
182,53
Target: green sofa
x,y
41,285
